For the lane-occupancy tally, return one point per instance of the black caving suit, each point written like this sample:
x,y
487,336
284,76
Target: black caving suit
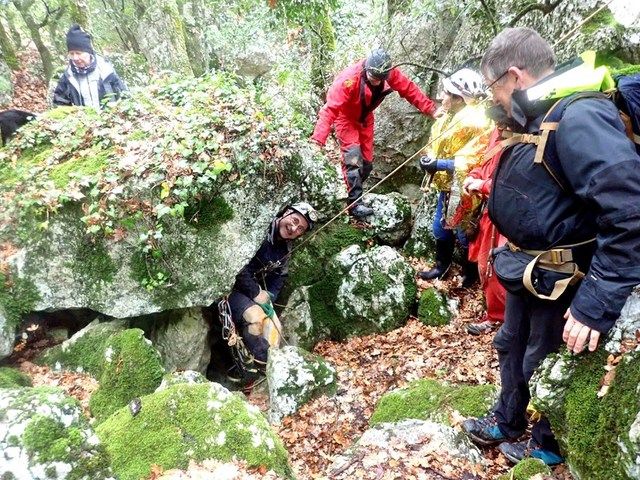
x,y
254,277
600,172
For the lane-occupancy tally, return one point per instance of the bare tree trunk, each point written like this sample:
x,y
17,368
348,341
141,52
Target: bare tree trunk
x,y
34,31
323,44
193,36
7,49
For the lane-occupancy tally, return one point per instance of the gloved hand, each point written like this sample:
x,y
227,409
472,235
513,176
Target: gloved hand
x,y
429,165
264,300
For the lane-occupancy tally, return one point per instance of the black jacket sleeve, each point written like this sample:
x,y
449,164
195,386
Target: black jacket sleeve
x,y
603,169
61,93
245,280
275,280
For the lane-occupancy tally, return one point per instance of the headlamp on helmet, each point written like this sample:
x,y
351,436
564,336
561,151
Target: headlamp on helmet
x,y
307,211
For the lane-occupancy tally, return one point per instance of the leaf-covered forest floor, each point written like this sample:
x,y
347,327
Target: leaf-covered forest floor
x,y
367,368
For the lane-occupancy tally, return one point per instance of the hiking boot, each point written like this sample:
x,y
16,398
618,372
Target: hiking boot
x,y
444,254
484,430
529,449
360,211
470,273
479,328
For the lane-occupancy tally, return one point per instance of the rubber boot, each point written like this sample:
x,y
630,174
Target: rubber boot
x,y
470,273
444,254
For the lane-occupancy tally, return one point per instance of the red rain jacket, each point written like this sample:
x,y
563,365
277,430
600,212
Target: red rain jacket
x,y
351,97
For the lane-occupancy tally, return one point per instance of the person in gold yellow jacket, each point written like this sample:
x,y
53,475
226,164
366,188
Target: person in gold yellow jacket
x,y
459,139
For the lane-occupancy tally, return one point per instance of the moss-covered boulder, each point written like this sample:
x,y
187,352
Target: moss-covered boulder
x,y
428,399
181,338
44,435
412,440
296,376
421,242
433,308
362,291
592,402
186,422
138,209
391,219
174,378
11,378
527,469
132,368
84,351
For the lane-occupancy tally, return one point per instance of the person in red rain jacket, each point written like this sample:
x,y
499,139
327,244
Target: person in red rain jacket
x,y
355,93
479,182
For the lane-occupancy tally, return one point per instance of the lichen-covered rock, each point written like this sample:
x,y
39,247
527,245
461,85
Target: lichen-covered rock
x,y
44,435
433,308
11,378
84,351
174,378
190,422
131,368
297,320
6,87
417,438
627,326
147,211
182,340
589,417
527,469
294,377
428,399
421,242
362,291
391,219
378,290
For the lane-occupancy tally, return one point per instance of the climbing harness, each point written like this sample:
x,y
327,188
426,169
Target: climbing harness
x,y
242,359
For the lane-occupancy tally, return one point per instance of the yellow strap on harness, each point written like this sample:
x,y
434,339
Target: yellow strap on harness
x,y
558,259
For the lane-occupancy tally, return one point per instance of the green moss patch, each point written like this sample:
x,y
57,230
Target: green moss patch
x,y
132,368
209,213
526,469
589,424
187,422
18,297
88,164
432,308
428,399
85,351
11,378
27,161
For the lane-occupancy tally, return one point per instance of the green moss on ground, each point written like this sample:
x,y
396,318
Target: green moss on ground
x,y
187,422
432,308
428,399
49,440
132,368
11,378
526,469
590,424
11,174
18,297
85,352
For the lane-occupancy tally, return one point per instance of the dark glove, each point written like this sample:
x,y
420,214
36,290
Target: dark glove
x,y
429,165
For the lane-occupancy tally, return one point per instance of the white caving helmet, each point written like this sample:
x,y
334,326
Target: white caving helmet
x,y
465,83
307,211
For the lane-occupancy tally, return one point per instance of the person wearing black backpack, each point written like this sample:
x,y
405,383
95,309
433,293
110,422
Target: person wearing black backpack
x,y
566,195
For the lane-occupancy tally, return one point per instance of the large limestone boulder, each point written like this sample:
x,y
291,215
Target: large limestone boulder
x,y
294,377
174,378
6,87
429,399
181,338
362,291
190,422
131,368
391,219
85,350
153,205
410,441
44,435
592,403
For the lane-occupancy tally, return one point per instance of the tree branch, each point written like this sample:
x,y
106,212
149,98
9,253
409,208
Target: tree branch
x,y
546,8
490,16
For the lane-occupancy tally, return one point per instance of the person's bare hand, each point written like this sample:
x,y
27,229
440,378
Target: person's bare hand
x,y
576,335
471,185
